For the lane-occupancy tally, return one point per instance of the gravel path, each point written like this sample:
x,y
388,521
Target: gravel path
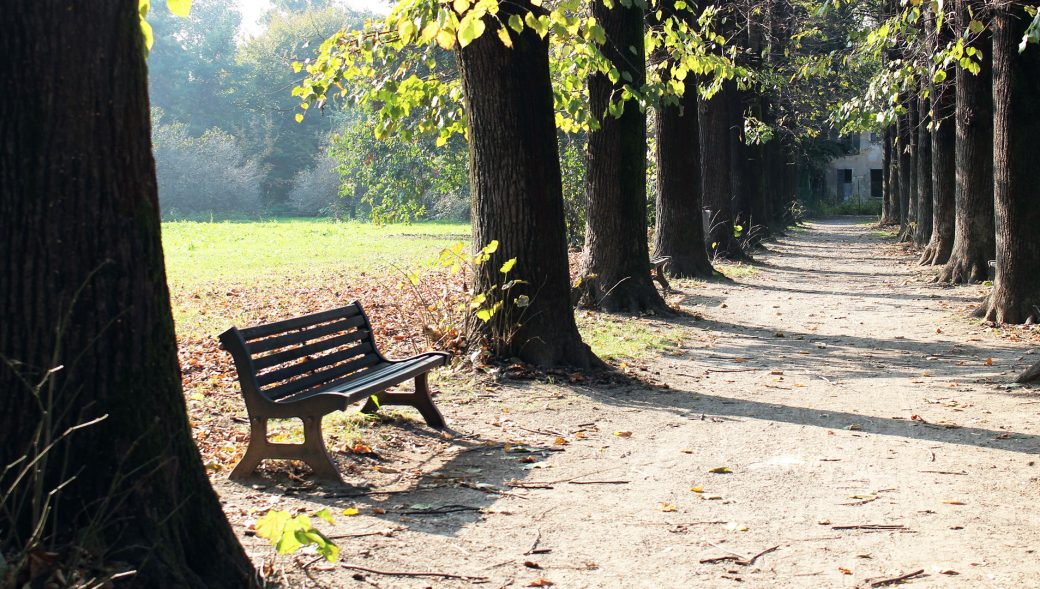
x,y
861,429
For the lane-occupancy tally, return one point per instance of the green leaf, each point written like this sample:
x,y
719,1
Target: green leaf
x,y
503,35
326,515
179,7
508,266
485,314
149,38
516,23
939,77
976,27
375,400
470,29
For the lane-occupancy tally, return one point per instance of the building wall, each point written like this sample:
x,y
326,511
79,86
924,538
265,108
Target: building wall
x,y
868,158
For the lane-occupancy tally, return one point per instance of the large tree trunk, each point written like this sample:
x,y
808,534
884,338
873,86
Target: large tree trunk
x,y
716,175
679,232
1016,125
944,139
923,229
973,241
616,265
894,195
517,190
889,215
84,294
907,171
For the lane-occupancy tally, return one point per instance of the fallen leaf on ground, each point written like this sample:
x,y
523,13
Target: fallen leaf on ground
x,y
666,507
721,470
560,441
541,582
954,502
623,434
845,571
697,489
350,511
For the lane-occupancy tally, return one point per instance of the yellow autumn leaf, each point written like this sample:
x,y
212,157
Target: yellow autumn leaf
x,y
350,511
721,470
623,434
666,507
697,489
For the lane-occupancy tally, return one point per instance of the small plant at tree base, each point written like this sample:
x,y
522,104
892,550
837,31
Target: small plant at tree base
x,y
451,320
288,533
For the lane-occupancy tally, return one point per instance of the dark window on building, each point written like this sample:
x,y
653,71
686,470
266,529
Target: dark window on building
x,y
876,183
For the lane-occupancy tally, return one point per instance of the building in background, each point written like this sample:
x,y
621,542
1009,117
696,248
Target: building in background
x,y
856,175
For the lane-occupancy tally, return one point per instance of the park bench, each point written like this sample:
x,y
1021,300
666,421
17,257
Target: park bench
x,y
310,366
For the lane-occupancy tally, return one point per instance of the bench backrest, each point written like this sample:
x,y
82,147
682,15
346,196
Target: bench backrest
x,y
287,357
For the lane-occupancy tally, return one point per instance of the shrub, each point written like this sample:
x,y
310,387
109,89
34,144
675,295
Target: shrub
x,y
207,174
316,191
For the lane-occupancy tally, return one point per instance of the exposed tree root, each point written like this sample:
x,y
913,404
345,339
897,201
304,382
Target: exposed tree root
x,y
959,270
1030,375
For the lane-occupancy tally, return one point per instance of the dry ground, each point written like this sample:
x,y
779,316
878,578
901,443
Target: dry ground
x,y
834,385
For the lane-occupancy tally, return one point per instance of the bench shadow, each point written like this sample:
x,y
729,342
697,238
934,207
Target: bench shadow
x,y
440,485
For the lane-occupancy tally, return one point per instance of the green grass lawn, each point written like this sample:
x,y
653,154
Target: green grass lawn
x,y
240,273
248,251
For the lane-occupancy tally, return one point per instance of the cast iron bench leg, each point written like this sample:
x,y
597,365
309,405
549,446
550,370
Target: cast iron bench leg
x,y
420,399
312,451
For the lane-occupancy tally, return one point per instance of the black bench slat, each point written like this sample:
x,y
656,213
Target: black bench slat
x,y
377,377
299,337
262,362
313,364
252,333
319,378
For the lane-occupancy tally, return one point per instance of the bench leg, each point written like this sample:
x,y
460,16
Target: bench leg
x,y
254,452
312,451
420,399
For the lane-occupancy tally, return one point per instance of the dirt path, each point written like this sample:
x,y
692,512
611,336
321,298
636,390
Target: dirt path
x,y
838,386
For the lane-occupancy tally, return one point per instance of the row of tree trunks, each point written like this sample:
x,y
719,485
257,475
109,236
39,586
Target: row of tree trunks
x,y
1015,297
923,160
679,232
84,296
615,268
974,242
517,189
943,137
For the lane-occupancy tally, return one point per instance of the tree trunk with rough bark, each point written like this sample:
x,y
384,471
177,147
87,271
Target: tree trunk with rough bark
x,y
716,169
944,139
679,233
923,229
517,190
84,295
888,213
907,171
615,271
1015,297
973,242
894,189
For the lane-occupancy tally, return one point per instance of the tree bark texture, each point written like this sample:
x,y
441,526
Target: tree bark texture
x,y
923,229
517,190
894,189
907,171
1015,297
84,289
889,215
973,242
716,175
944,140
679,232
616,264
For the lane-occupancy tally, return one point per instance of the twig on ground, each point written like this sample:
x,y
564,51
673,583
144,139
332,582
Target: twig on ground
x,y
899,579
544,432
736,558
961,472
870,527
388,532
598,482
534,546
442,510
355,567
